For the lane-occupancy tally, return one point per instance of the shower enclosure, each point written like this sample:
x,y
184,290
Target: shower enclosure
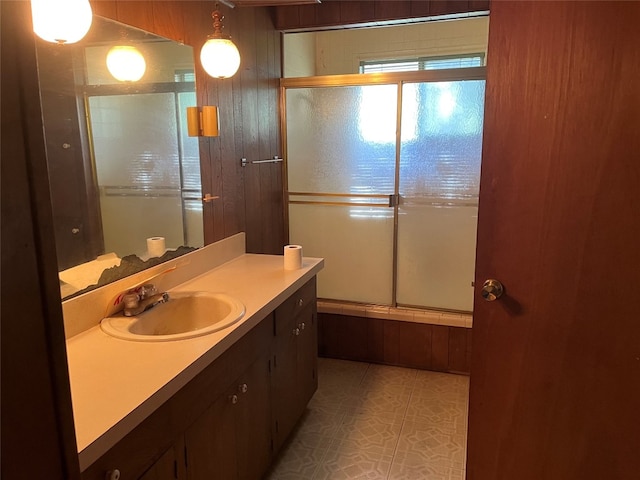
x,y
383,173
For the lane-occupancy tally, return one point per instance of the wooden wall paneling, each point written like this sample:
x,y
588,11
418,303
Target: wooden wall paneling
x,y
458,353
420,8
351,12
414,345
264,63
307,15
448,7
276,237
440,348
105,8
136,13
479,5
392,9
375,340
289,15
37,416
328,13
391,353
250,131
353,341
168,19
328,335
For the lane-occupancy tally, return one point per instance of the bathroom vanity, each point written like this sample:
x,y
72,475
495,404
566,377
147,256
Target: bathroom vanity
x,y
216,406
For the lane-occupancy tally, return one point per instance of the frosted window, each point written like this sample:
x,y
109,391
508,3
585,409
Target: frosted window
x,y
341,139
442,160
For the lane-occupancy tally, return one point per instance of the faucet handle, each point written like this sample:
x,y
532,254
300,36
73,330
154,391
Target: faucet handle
x,y
147,290
131,300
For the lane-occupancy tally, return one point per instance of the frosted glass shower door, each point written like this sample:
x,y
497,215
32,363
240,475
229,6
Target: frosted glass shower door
x,y
341,170
440,156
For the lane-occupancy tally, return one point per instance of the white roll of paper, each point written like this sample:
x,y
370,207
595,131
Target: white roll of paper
x,y
156,246
292,257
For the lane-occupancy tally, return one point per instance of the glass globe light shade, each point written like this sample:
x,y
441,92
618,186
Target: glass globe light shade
x,y
126,63
220,57
61,21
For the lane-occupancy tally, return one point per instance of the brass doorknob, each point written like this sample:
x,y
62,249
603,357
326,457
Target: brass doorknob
x,y
492,290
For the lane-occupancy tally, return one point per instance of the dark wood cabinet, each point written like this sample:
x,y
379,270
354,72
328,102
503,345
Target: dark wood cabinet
x,y
232,439
221,425
295,360
168,467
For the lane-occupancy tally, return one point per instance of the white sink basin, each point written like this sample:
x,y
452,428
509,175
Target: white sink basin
x,y
185,315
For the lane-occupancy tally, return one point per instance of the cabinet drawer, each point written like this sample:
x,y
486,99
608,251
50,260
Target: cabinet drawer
x,y
295,304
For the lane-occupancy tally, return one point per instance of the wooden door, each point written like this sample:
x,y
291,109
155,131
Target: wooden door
x,y
555,375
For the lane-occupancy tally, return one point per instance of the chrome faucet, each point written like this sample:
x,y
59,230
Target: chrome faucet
x,y
145,298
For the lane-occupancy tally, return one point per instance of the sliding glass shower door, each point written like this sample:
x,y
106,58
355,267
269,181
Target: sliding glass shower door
x,y
383,183
341,171
439,178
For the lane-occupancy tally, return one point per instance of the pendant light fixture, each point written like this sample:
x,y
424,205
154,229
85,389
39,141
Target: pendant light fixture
x,y
219,55
126,63
61,21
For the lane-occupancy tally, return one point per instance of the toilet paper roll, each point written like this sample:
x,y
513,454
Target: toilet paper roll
x,y
292,257
156,246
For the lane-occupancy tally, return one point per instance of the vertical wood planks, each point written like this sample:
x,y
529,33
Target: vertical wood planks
x,y
407,344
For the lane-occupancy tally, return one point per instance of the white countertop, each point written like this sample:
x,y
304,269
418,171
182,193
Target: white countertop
x,y
116,384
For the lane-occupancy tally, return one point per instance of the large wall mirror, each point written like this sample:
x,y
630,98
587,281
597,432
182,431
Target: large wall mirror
x,y
122,167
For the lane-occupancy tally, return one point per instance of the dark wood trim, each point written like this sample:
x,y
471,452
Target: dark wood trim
x,y
392,342
342,14
38,437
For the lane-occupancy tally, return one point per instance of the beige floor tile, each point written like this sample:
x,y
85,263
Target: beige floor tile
x,y
353,464
438,447
296,463
389,376
380,423
447,415
365,432
410,466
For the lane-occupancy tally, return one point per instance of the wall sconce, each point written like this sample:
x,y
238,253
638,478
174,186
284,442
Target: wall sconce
x,y
203,123
219,55
126,63
61,21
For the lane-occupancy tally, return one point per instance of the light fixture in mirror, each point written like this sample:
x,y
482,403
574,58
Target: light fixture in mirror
x,y
61,21
219,56
122,167
126,63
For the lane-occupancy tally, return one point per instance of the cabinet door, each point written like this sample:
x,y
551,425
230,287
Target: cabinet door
x,y
165,468
211,442
253,421
307,359
284,386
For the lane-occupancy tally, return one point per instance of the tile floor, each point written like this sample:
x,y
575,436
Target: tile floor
x,y
374,422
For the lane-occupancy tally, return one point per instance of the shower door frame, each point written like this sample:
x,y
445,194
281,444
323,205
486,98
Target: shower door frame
x,y
357,80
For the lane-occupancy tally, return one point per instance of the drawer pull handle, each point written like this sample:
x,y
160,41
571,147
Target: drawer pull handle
x,y
234,399
302,325
243,388
296,331
300,302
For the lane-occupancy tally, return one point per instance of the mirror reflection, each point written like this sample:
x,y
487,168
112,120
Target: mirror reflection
x,y
122,167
